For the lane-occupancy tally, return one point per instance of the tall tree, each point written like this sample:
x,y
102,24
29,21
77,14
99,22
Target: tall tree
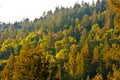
x,y
8,70
31,64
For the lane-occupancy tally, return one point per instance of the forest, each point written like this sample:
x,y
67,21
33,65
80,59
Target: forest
x,y
77,43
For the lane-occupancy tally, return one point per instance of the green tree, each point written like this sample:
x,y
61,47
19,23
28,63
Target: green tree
x,y
8,70
83,36
85,52
114,5
70,65
116,72
80,70
31,64
95,55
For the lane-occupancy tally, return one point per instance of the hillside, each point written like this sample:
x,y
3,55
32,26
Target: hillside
x,y
77,43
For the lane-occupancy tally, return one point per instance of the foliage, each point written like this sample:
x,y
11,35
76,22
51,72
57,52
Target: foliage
x,y
77,43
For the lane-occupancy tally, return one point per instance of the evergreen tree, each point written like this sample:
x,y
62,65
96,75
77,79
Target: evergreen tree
x,y
8,70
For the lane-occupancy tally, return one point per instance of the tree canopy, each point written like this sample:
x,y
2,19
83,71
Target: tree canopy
x,y
77,43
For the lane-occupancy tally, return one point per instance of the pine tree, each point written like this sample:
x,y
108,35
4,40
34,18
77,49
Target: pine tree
x,y
31,64
8,70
